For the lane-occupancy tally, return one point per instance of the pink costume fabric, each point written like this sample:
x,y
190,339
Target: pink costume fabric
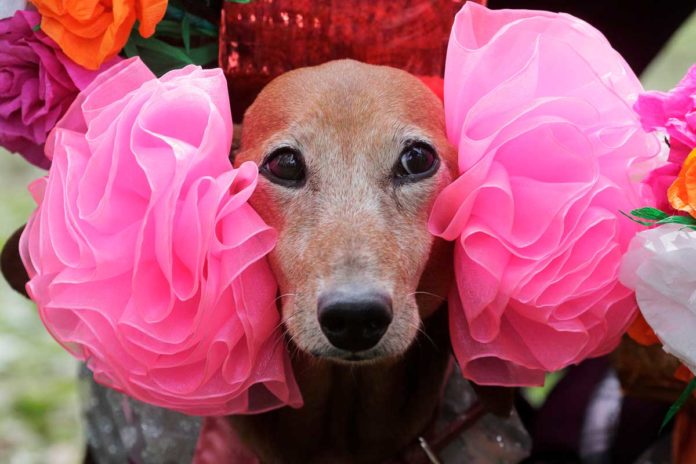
x,y
550,152
145,259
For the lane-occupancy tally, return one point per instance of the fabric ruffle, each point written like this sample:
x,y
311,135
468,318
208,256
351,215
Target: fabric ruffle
x,y
145,259
550,152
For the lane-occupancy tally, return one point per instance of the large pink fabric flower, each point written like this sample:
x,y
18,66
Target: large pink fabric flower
x,y
37,84
145,259
538,104
675,113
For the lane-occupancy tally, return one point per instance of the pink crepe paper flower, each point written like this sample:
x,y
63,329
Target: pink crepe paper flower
x,y
538,105
145,259
675,113
659,180
37,85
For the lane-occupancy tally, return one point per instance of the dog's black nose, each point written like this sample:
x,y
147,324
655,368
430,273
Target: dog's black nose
x,y
354,321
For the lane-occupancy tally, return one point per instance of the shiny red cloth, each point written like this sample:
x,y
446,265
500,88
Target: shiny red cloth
x,y
265,38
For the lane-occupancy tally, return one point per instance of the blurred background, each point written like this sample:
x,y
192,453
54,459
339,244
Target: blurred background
x,y
39,409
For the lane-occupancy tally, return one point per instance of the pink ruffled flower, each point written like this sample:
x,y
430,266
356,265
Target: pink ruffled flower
x,y
145,259
538,104
675,113
37,84
659,181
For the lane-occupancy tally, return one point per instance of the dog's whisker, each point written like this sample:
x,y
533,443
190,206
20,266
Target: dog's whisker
x,y
283,320
442,298
283,296
420,330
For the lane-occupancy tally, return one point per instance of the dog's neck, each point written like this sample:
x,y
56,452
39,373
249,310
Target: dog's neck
x,y
355,414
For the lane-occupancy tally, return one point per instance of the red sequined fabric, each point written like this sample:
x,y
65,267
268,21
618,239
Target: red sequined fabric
x,y
264,38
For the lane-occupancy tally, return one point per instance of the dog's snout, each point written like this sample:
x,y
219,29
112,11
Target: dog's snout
x,y
354,321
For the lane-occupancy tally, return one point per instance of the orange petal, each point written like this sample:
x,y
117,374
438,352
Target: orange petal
x,y
89,32
683,373
149,13
684,438
682,192
641,332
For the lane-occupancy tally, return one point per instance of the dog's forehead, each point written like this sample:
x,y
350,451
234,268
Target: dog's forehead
x,y
345,99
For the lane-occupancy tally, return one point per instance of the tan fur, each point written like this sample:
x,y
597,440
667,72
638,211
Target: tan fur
x,y
351,225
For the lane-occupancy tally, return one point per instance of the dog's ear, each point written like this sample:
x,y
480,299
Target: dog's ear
x,y
496,400
11,264
236,141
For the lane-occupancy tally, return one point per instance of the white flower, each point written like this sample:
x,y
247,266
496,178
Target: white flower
x,y
660,266
8,7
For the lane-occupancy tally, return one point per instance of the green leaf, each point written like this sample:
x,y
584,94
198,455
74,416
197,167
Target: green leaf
x,y
36,28
176,14
168,28
130,49
238,1
685,220
652,214
186,33
171,29
166,50
674,409
204,54
642,223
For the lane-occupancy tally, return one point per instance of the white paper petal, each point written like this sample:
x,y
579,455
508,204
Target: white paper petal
x,y
661,267
8,7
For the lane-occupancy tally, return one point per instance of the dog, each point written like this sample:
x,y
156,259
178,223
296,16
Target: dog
x,y
351,157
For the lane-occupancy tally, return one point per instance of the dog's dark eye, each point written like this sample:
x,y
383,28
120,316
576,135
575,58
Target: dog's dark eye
x,y
416,162
285,167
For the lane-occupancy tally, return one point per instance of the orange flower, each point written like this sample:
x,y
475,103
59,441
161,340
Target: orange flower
x,y
682,193
641,332
92,31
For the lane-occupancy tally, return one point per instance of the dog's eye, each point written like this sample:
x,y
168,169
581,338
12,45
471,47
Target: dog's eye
x,y
416,162
285,166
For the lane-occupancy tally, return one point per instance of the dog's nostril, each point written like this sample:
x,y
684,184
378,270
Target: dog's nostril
x,y
354,322
333,322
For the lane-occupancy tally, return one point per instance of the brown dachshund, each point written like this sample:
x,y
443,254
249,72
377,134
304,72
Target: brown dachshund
x,y
351,158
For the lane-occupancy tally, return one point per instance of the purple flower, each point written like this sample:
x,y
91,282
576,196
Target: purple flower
x,y
37,85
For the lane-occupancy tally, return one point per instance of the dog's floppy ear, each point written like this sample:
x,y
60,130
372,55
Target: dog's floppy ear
x,y
11,264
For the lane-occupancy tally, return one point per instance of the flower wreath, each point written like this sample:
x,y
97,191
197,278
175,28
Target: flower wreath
x,y
147,262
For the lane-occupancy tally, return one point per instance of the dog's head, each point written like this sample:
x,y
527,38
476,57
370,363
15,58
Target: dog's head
x,y
351,158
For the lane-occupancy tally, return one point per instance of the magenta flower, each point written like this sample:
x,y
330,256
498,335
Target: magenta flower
x,y
37,84
675,113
